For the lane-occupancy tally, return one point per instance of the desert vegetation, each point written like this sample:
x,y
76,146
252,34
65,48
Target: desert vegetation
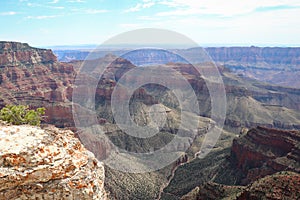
x,y
21,114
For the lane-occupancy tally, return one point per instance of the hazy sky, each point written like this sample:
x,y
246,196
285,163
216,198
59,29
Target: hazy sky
x,y
231,22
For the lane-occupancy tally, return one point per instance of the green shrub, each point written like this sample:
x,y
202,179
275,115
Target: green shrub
x,y
20,114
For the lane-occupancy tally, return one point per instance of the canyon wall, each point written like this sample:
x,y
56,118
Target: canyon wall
x,y
263,151
34,77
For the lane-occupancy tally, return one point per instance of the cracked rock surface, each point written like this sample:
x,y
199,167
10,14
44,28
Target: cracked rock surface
x,y
47,163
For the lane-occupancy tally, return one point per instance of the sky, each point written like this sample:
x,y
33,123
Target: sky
x,y
208,22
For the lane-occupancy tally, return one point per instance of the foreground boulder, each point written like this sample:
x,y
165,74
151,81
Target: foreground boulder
x,y
47,163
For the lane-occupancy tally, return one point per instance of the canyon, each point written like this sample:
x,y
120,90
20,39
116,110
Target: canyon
x,y
275,65
35,77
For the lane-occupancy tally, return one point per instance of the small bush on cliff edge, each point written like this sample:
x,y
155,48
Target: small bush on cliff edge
x,y
20,114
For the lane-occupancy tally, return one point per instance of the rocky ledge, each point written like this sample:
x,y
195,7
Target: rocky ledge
x,y
47,163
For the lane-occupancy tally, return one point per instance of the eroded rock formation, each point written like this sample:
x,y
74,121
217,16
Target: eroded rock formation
x,y
34,77
264,151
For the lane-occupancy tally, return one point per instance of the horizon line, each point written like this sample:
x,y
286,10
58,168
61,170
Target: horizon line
x,y
124,46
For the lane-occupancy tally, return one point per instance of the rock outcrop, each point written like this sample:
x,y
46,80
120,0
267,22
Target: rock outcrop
x,y
264,151
47,163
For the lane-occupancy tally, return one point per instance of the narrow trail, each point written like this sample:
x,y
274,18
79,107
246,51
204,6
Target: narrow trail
x,y
169,180
165,185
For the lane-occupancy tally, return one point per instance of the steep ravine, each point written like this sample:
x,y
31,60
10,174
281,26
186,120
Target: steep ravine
x,y
224,140
261,152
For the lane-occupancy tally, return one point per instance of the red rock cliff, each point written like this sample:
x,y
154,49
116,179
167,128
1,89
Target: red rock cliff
x,y
34,77
264,151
